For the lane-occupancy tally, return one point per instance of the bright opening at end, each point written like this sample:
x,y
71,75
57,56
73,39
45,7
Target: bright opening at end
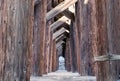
x,y
61,63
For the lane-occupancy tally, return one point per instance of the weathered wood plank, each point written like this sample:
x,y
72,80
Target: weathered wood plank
x,y
59,43
60,8
69,14
107,57
51,52
113,29
59,32
59,22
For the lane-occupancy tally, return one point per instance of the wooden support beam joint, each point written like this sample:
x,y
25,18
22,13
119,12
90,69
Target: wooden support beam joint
x,y
107,58
60,8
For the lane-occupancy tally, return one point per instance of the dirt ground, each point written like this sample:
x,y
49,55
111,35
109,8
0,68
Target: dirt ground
x,y
63,75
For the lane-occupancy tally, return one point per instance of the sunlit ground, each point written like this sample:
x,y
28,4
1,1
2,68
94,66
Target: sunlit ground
x,y
62,75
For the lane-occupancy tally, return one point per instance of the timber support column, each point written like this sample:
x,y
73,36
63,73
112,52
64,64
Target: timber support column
x,y
104,38
51,51
67,55
40,24
100,40
54,55
73,47
16,30
83,19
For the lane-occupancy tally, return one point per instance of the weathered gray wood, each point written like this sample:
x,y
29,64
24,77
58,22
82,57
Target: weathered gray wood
x,y
39,34
16,25
59,32
61,37
105,15
60,8
84,21
108,57
59,43
59,22
54,55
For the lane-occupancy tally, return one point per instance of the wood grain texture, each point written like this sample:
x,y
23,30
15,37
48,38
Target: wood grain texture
x,y
67,56
60,8
59,22
39,34
104,29
16,24
84,25
54,62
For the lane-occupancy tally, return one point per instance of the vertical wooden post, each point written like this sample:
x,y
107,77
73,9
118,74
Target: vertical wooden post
x,y
47,38
67,56
51,51
104,42
40,24
16,25
83,22
113,27
54,55
100,32
73,51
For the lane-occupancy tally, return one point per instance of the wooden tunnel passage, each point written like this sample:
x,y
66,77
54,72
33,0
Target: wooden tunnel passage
x,y
34,33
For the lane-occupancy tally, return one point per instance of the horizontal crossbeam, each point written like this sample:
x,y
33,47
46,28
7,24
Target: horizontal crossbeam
x,y
59,22
59,32
60,8
59,44
107,58
69,14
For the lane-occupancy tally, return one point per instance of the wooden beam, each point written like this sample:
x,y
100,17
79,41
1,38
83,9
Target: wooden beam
x,y
69,14
61,37
39,38
108,57
16,28
59,22
54,57
59,32
68,55
60,8
59,44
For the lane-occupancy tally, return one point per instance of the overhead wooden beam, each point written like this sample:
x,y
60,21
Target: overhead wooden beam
x,y
60,8
69,14
59,32
61,37
59,44
59,22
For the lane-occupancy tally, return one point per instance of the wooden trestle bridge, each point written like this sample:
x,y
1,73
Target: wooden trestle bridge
x,y
34,33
